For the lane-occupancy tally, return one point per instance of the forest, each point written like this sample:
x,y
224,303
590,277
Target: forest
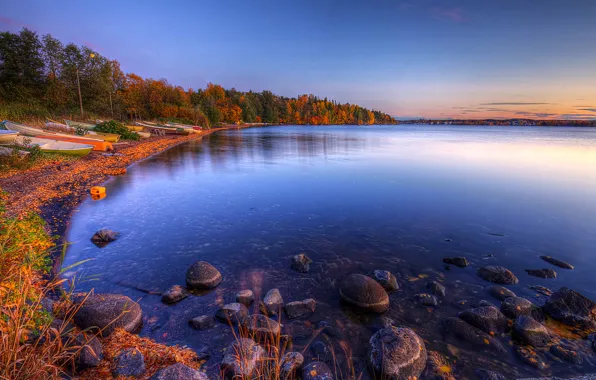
x,y
38,79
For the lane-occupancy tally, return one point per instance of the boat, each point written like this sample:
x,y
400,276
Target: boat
x,y
53,124
109,137
134,128
8,137
158,129
143,135
194,127
98,145
55,146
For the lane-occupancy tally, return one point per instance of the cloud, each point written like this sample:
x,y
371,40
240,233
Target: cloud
x,y
8,21
449,14
511,104
583,106
578,116
588,109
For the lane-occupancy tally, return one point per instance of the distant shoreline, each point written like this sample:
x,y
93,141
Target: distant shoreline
x,y
504,122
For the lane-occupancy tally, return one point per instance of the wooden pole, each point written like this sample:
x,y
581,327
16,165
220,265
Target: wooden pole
x,y
111,108
80,97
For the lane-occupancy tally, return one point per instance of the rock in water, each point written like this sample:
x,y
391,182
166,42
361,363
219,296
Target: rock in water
x,y
273,302
484,374
461,262
261,328
364,292
317,371
559,263
565,354
108,312
542,273
202,275
320,351
174,294
130,362
466,332
178,371
427,299
104,237
300,309
498,275
513,307
232,313
242,358
528,331
530,357
436,288
571,308
202,322
500,292
301,263
397,353
487,318
245,297
291,362
437,367
386,279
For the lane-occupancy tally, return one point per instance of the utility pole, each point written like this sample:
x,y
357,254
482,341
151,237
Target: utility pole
x,y
80,98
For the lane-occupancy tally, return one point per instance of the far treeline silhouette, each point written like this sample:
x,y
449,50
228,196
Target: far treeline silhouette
x,y
38,78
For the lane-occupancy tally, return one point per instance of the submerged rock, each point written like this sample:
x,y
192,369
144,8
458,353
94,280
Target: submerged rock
x,y
298,309
513,307
542,290
107,312
483,374
174,294
178,371
317,371
202,322
572,308
232,313
530,357
364,292
528,331
301,263
498,275
564,354
130,362
487,318
500,292
397,353
202,275
461,262
242,357
273,302
427,299
103,237
291,362
542,273
436,288
386,279
462,330
245,297
556,262
261,327
320,351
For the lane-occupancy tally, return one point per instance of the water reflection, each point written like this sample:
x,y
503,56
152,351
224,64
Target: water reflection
x,y
355,199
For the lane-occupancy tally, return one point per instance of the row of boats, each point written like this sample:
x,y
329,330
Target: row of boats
x,y
59,137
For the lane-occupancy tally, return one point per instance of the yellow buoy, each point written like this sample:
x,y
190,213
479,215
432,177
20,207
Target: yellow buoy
x,y
98,190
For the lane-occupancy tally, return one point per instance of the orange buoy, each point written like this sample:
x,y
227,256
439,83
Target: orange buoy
x,y
98,191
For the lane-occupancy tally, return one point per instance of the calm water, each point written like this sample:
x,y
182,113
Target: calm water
x,y
355,199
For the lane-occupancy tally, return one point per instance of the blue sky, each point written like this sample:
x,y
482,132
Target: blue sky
x,y
431,58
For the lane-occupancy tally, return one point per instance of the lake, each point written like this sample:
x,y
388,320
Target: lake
x,y
355,199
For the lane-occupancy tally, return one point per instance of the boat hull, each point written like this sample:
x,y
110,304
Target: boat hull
x,y
100,146
8,138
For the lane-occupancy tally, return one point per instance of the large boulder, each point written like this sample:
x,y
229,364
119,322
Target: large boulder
x,y
364,292
241,358
103,237
107,312
513,307
542,273
571,308
397,353
556,262
487,318
261,328
273,302
130,362
386,279
178,371
202,275
174,294
298,309
499,292
232,313
301,263
317,371
528,331
497,275
464,331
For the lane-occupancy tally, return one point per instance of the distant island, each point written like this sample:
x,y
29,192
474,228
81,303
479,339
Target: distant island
x,y
504,122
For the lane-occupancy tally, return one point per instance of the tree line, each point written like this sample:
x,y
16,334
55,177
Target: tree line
x,y
39,75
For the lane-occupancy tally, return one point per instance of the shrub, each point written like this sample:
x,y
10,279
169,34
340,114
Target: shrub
x,y
113,126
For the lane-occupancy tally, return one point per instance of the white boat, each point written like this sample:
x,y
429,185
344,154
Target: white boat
x,y
54,146
37,132
7,137
143,135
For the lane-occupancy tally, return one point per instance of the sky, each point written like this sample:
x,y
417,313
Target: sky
x,y
408,58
